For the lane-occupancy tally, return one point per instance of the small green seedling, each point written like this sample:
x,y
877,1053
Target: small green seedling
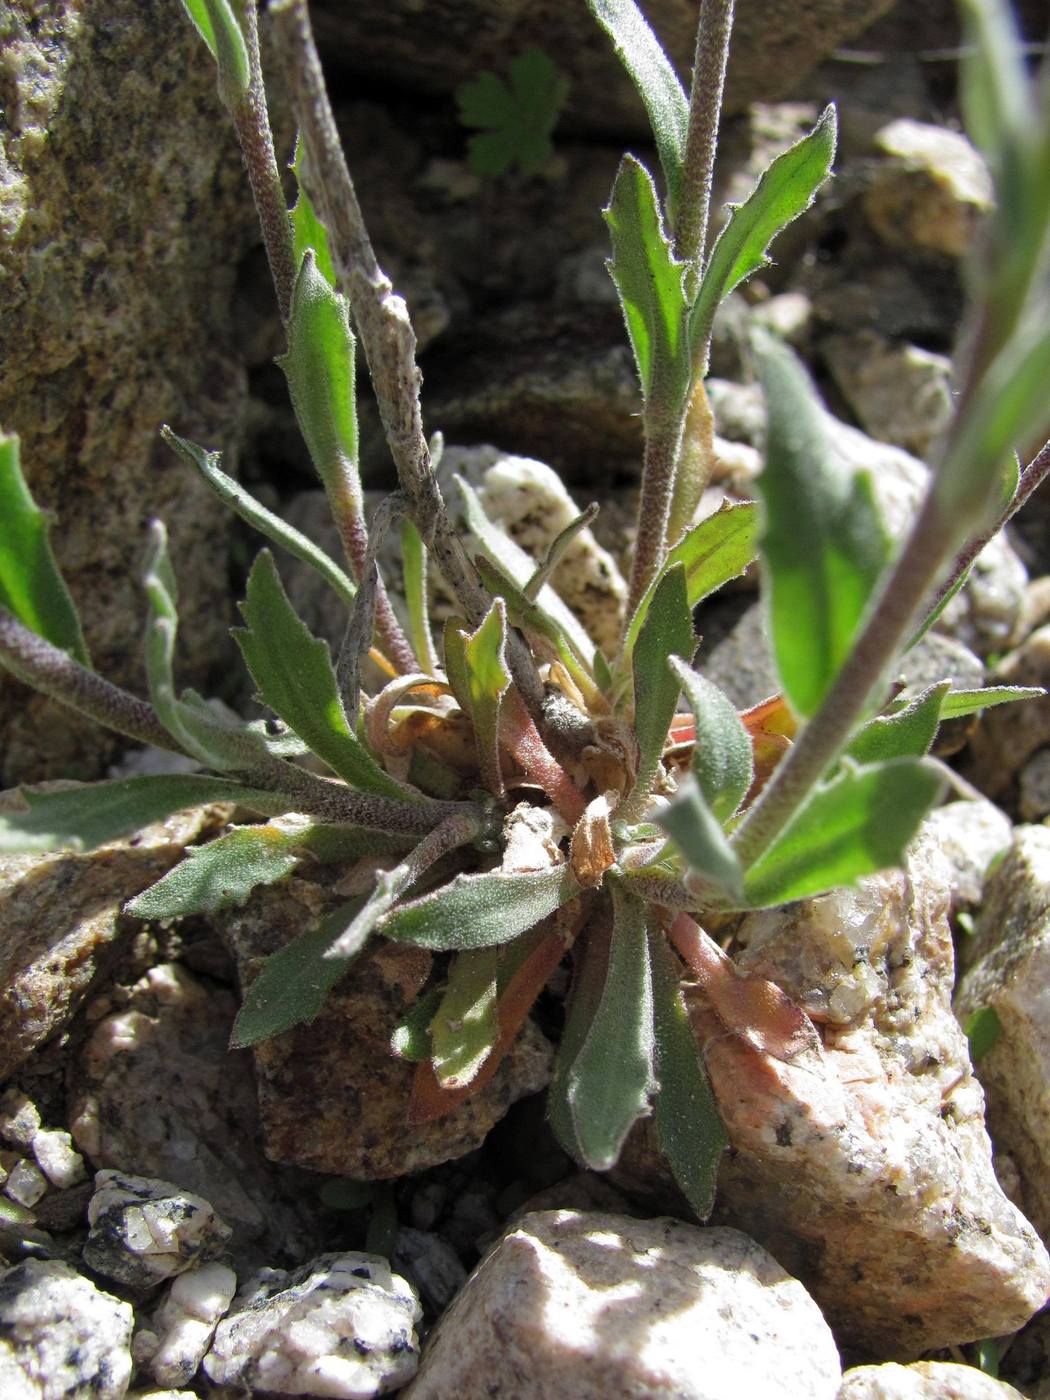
x,y
514,119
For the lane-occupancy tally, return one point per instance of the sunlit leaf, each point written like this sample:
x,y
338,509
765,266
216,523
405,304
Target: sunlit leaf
x,y
308,232
785,190
410,1039
217,25
465,1027
722,756
908,731
667,631
414,567
487,679
688,1126
649,282
31,586
824,545
666,103
859,822
477,911
698,834
970,702
81,818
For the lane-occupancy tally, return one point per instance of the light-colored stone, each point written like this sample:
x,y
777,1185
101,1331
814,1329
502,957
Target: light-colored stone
x,y
182,1328
594,1305
923,1380
341,1326
143,1231
430,1264
19,1119
866,1168
932,190
61,1336
969,835
1011,974
25,1183
900,393
53,1150
61,923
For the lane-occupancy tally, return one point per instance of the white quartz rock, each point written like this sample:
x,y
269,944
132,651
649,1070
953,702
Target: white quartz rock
x,y
144,1231
341,1326
970,835
61,1337
182,1328
925,1380
593,1305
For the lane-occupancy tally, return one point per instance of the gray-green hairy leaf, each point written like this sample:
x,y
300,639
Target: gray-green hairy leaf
x,y
909,731
722,763
465,1026
697,833
308,232
477,911
667,631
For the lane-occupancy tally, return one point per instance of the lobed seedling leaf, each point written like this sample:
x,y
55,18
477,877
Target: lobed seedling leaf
x,y
824,546
859,822
786,190
688,1125
516,118
478,911
649,282
649,68
31,584
465,1027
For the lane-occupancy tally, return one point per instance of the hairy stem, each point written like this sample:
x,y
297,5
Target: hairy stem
x,y
383,325
252,125
928,547
54,672
705,106
663,434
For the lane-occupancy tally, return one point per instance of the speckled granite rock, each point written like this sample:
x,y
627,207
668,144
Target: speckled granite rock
x,y
61,1336
340,1063
143,1231
1011,974
924,1380
969,835
180,1331
60,925
593,1305
341,1326
123,211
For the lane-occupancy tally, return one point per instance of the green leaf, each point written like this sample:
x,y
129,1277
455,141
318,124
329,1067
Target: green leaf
x,y
308,232
859,822
590,972
477,911
716,550
970,702
983,1029
256,515
612,1078
217,25
319,367
786,189
688,1125
466,1026
649,282
667,631
411,1036
414,566
31,586
295,677
82,818
723,761
666,103
293,983
824,546
697,833
487,682
225,871
517,119
908,731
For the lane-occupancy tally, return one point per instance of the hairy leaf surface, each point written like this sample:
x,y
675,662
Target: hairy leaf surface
x,y
722,756
477,911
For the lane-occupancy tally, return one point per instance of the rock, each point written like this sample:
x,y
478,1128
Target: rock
x,y
923,1380
156,1091
25,1184
932,191
1009,735
430,1264
123,212
182,1328
970,835
61,1335
1010,972
1033,795
568,1303
340,1063
341,1326
866,1168
143,1231
61,925
900,393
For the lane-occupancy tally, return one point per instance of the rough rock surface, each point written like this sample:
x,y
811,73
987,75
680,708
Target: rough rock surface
x,y
143,1231
1011,973
923,1380
61,922
156,1090
179,1333
340,1062
866,1168
969,835
123,211
592,1305
61,1336
342,1326
900,393
1010,735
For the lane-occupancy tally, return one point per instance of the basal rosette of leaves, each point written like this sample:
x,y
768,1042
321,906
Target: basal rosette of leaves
x,y
527,798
